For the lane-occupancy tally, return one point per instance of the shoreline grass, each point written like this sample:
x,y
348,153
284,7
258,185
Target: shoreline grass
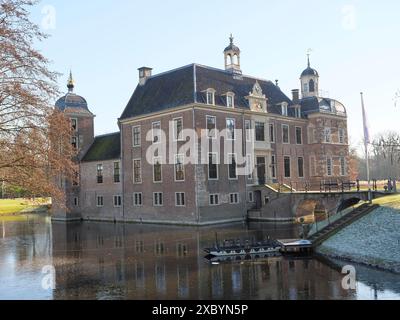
x,y
11,207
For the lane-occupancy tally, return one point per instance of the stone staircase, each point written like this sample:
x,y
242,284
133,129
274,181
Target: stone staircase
x,y
343,222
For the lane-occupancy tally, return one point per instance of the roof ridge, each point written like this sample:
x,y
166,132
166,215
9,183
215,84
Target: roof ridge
x,y
171,71
107,134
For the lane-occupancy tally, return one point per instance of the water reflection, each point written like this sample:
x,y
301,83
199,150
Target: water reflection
x,y
115,261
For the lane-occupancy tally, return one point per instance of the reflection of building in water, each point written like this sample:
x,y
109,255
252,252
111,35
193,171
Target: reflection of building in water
x,y
100,260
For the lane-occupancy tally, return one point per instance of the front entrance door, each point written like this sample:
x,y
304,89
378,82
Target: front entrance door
x,y
261,170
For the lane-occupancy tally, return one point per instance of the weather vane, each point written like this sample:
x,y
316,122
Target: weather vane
x,y
309,51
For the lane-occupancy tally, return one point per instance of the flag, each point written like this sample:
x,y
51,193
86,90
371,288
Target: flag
x,y
367,138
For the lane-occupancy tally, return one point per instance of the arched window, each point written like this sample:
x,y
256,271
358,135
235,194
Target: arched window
x,y
311,85
235,60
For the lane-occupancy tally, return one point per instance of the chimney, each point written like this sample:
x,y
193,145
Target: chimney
x,y
144,74
296,95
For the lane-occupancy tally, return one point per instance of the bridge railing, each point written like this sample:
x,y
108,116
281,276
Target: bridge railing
x,y
332,216
327,186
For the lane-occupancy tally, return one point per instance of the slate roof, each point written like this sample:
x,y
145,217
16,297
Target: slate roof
x,y
187,85
309,72
106,147
71,100
316,104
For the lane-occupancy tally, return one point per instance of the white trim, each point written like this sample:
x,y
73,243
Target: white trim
x,y
97,201
331,166
184,199
252,197
183,164
285,126
76,201
76,120
117,196
133,171
298,167
175,138
133,136
152,131
290,167
234,129
232,96
120,171
154,199
301,135
214,195
141,199
249,131
235,195
343,169
161,170
274,173
273,132
217,164
212,92
215,130
235,156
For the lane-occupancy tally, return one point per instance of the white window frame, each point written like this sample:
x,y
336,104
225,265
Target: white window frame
x,y
133,136
97,201
327,137
247,123
161,169
176,138
141,199
230,95
301,135
154,199
285,109
217,164
184,199
298,168
76,202
236,167
76,121
236,198
341,136
271,139
298,112
250,196
329,160
214,136
118,196
175,167
120,172
76,140
214,196
283,135
290,167
227,130
273,166
343,166
153,133
212,93
250,166
141,171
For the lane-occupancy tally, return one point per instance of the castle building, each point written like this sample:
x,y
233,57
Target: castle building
x,y
124,176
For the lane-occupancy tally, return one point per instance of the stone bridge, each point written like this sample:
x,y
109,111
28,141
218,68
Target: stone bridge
x,y
286,206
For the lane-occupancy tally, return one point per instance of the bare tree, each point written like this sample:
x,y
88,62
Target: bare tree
x,y
386,155
32,152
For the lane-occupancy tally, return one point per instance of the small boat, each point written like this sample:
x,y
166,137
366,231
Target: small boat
x,y
237,248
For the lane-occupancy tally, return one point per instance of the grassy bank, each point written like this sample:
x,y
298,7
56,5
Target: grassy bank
x,y
392,201
18,206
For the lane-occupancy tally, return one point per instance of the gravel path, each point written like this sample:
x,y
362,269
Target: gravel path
x,y
373,240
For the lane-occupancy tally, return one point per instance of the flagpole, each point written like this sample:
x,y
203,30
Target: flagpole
x,y
366,142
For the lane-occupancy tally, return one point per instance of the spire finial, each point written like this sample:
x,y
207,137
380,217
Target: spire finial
x,y
231,38
71,82
308,57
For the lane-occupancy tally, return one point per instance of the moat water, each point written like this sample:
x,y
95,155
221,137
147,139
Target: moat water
x,y
126,261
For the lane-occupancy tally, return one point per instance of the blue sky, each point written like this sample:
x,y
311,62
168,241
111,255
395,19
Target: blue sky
x,y
354,44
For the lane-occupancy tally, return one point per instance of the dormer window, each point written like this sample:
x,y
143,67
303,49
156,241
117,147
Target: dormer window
x,y
230,100
284,109
297,111
211,97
